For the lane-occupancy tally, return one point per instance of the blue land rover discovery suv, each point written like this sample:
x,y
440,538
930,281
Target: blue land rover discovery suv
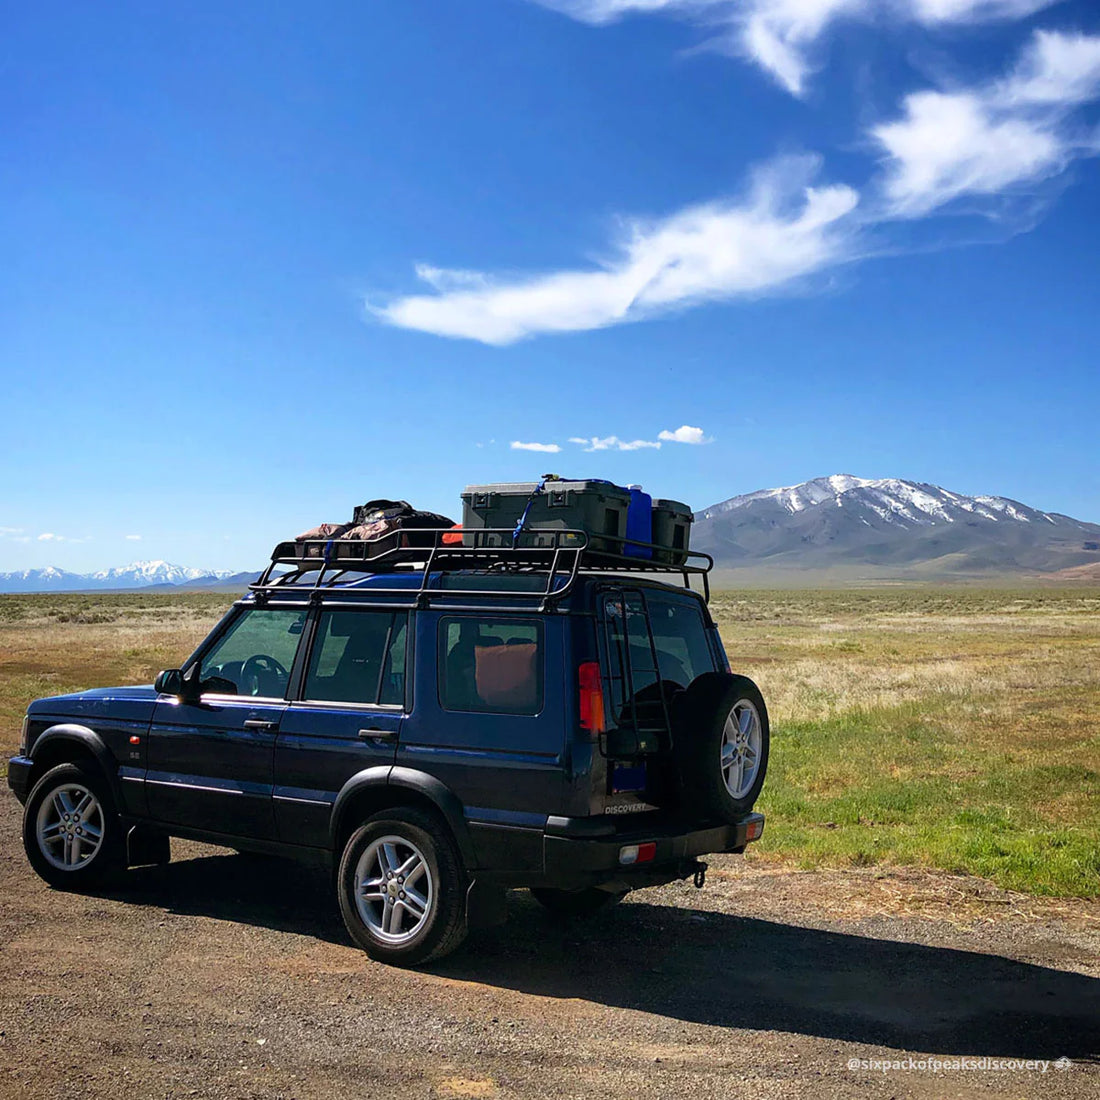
x,y
437,725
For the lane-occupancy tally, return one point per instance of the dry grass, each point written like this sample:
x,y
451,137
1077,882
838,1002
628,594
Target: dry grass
x,y
55,644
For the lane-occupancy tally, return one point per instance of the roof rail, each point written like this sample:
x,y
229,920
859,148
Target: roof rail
x,y
562,555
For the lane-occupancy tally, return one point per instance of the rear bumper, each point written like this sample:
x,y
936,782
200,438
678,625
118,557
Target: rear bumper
x,y
574,857
19,776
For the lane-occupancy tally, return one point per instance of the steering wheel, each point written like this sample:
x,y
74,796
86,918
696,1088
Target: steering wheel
x,y
259,668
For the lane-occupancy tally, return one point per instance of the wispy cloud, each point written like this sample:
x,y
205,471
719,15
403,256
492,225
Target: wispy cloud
x,y
8,532
544,448
780,35
685,434
133,538
783,229
49,536
992,138
995,140
614,443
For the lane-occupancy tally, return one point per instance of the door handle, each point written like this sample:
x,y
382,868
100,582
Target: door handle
x,y
377,733
260,724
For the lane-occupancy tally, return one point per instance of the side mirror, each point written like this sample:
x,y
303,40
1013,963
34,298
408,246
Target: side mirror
x,y
169,682
185,685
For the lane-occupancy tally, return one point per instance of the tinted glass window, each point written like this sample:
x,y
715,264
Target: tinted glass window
x,y
358,657
490,665
680,635
670,644
255,655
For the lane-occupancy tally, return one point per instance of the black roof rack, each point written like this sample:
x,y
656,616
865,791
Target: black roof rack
x,y
320,565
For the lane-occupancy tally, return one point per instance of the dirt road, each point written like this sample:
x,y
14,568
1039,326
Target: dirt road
x,y
229,976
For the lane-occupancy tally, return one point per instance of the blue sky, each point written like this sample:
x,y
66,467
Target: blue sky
x,y
263,262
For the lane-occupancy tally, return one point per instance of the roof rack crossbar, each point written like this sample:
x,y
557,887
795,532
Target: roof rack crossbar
x,y
559,553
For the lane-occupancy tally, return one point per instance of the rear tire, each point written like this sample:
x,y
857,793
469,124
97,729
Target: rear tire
x,y
720,742
402,888
72,833
574,904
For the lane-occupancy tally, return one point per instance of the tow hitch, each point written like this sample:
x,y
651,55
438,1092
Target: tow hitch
x,y
700,878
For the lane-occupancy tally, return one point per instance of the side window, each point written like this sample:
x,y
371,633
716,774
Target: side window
x,y
490,665
255,655
358,657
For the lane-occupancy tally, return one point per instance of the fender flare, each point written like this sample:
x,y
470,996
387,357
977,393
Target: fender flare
x,y
386,777
87,738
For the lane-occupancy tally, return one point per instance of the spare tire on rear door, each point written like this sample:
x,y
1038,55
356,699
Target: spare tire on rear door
x,y
720,742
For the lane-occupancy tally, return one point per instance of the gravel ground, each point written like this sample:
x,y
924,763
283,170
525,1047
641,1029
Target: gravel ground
x,y
231,976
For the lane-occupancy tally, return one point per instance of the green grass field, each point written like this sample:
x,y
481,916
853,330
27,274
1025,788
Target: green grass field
x,y
955,728
952,728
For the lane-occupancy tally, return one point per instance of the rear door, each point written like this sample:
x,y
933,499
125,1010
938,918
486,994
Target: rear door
x,y
209,764
655,643
347,718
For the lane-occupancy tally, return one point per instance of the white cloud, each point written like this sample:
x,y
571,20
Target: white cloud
x,y
684,434
49,536
545,448
614,443
6,532
993,138
947,145
1055,69
779,35
930,12
133,538
783,229
444,280
997,140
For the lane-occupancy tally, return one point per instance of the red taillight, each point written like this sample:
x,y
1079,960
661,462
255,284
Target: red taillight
x,y
590,684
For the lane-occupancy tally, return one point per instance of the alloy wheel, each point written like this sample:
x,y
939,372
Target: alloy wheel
x,y
69,827
394,891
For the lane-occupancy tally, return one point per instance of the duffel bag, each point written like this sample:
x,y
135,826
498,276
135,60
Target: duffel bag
x,y
323,531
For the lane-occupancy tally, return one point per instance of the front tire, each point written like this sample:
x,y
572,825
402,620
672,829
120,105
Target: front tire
x,y
402,888
72,833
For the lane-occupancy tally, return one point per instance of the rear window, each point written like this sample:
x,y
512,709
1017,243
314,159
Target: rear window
x,y
669,645
490,665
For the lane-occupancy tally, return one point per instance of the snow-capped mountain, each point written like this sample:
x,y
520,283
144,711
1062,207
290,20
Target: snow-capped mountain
x,y
138,574
846,521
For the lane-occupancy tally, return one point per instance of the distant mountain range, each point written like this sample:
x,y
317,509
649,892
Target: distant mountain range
x,y
853,525
138,574
839,527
